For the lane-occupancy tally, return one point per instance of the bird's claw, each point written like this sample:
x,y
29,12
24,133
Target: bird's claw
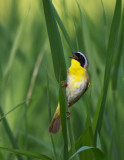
x,y
69,115
64,84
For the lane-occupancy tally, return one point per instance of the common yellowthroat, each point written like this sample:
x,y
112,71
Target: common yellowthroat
x,y
76,85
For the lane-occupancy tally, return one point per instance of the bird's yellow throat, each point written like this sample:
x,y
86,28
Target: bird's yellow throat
x,y
77,71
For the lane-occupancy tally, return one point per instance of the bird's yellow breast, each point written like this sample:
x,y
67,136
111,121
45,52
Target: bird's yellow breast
x,y
76,72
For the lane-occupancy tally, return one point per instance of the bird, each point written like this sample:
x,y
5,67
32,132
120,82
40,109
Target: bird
x,y
76,85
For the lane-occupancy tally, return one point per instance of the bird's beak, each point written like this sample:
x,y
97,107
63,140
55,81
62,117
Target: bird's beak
x,y
72,57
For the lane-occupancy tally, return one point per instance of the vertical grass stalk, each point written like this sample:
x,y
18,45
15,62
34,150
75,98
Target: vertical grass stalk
x,y
72,142
63,120
110,54
10,134
55,42
62,27
58,63
49,112
16,45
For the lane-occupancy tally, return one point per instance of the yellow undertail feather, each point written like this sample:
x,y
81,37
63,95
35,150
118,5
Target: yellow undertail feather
x,y
55,124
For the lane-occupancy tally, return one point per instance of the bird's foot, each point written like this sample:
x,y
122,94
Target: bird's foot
x,y
68,115
64,84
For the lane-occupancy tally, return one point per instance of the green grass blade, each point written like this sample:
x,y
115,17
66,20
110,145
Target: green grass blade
x,y
86,139
16,45
34,76
105,22
76,35
63,120
116,63
15,107
63,29
36,141
48,94
26,153
55,42
58,62
10,134
97,152
1,75
49,112
110,53
1,156
104,15
72,141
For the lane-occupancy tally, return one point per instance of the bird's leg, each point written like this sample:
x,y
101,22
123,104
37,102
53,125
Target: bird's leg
x,y
64,84
68,112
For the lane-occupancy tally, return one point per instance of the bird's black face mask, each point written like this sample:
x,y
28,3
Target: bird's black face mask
x,y
80,57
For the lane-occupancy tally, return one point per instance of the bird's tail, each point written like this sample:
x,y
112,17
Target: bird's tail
x,y
55,124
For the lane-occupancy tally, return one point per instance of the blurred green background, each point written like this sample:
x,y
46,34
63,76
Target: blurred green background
x,y
26,67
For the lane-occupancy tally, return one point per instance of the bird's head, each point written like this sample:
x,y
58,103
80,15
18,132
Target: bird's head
x,y
81,58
